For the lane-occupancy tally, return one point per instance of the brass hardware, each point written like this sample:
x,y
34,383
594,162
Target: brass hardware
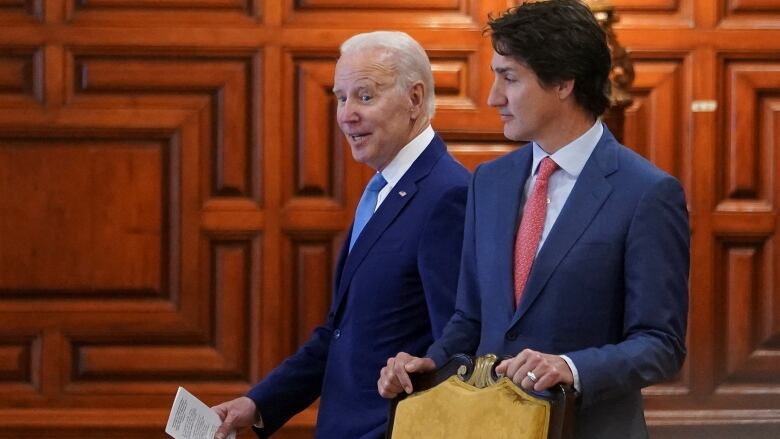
x,y
704,106
483,372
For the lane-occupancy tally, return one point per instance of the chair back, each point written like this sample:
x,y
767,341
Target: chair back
x,y
465,399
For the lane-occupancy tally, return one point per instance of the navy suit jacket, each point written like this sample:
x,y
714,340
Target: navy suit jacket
x,y
394,292
609,287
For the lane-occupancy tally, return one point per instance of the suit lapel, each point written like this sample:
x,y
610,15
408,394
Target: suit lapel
x,y
506,218
586,198
387,212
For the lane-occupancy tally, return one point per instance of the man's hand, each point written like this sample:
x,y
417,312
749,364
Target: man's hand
x,y
394,378
549,370
238,413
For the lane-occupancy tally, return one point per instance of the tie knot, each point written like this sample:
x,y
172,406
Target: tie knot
x,y
546,168
376,183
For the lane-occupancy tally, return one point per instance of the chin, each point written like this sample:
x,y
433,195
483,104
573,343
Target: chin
x,y
515,137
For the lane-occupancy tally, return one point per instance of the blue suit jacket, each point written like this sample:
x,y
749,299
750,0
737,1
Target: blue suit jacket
x,y
394,292
609,287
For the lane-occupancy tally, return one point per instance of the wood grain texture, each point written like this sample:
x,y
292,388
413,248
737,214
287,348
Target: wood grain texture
x,y
174,191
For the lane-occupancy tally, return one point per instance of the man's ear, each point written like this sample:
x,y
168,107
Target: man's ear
x,y
416,100
565,88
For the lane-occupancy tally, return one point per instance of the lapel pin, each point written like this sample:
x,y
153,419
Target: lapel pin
x,y
402,193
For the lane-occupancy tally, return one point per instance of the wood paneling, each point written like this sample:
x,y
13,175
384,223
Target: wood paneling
x,y
174,191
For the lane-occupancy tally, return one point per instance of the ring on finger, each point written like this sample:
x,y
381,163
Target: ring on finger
x,y
531,376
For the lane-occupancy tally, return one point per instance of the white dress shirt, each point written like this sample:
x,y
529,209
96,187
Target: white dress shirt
x,y
402,161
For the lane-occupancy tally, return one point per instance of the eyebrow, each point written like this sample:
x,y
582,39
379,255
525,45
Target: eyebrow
x,y
376,85
501,70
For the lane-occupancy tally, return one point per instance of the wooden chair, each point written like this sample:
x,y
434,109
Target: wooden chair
x,y
465,399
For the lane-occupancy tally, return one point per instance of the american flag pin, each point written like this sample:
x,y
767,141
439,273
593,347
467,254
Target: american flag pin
x,y
402,193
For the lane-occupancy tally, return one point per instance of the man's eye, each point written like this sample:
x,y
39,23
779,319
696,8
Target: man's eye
x,y
509,79
365,98
341,99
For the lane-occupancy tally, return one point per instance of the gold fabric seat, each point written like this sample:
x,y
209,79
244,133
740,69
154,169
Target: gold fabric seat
x,y
464,399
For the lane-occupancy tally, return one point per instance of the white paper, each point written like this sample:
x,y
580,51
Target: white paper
x,y
191,419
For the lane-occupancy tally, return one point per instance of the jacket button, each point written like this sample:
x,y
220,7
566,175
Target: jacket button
x,y
337,334
511,336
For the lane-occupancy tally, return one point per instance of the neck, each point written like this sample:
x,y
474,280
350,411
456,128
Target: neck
x,y
566,130
417,127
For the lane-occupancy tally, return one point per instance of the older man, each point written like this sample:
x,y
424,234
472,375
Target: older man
x,y
397,273
575,256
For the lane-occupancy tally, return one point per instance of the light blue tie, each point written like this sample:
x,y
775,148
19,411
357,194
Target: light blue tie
x,y
366,206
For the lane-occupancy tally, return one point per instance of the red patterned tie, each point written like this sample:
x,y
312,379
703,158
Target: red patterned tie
x,y
531,226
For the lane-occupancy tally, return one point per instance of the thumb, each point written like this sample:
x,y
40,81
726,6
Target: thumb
x,y
225,428
501,368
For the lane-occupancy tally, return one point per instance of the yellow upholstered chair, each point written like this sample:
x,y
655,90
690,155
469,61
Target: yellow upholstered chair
x,y
465,399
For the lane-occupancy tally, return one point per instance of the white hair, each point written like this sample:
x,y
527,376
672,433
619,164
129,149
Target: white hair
x,y
409,60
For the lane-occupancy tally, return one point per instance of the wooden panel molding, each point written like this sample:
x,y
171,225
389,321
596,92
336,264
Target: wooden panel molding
x,y
229,84
311,261
129,258
21,11
471,149
319,152
157,12
174,191
452,5
750,14
749,135
653,123
54,255
747,317
654,13
647,5
753,6
21,76
217,350
20,364
386,13
455,78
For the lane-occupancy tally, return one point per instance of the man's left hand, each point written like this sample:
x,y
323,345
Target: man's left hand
x,y
548,370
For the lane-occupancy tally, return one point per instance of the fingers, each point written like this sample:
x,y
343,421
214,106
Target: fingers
x,y
420,365
221,410
235,414
399,372
546,370
387,386
502,367
394,377
227,426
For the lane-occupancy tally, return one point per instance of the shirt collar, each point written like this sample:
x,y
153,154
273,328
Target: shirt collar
x,y
572,157
406,156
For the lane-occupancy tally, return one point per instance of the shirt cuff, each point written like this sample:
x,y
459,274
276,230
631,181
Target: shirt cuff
x,y
573,372
259,423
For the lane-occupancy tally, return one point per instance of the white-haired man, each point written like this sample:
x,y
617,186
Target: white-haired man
x,y
396,277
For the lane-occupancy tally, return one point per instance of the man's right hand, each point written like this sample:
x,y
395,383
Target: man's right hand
x,y
238,413
394,378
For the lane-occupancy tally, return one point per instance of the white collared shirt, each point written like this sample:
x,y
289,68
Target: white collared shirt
x,y
402,161
570,159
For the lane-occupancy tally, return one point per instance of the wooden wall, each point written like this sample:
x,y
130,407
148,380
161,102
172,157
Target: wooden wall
x,y
173,190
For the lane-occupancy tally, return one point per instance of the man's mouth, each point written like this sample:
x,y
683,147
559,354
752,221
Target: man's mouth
x,y
357,137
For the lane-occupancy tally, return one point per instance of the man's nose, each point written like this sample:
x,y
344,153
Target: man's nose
x,y
347,112
496,97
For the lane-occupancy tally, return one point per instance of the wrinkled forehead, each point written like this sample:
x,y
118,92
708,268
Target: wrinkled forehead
x,y
365,66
